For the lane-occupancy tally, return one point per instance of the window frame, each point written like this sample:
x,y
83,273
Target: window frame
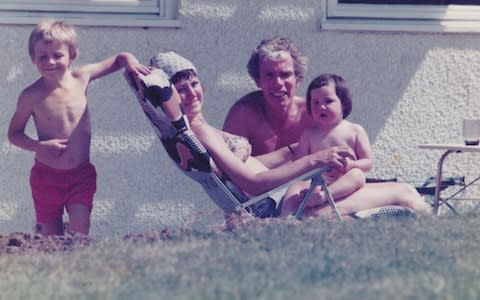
x,y
124,13
409,18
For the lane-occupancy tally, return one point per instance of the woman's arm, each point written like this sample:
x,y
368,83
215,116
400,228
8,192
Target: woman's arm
x,y
247,178
278,157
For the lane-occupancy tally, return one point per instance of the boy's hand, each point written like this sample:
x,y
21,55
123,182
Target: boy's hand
x,y
54,147
136,70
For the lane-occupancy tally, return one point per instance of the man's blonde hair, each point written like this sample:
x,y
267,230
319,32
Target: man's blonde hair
x,y
52,30
270,48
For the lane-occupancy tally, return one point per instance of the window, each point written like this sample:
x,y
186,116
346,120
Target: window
x,y
406,15
144,13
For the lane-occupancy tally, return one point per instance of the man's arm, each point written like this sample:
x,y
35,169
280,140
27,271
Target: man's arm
x,y
303,147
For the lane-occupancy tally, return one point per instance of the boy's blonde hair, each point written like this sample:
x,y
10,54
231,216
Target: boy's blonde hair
x,y
51,30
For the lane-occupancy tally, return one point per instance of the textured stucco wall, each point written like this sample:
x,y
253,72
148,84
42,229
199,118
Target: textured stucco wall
x,y
407,89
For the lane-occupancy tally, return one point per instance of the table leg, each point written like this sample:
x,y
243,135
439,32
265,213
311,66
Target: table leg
x,y
438,181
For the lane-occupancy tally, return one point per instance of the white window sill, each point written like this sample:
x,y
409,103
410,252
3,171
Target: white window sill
x,y
91,19
401,25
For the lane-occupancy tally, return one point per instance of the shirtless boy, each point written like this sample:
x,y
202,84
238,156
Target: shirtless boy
x,y
62,176
276,115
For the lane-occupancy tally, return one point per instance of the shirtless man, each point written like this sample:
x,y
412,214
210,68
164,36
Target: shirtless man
x,y
62,175
276,116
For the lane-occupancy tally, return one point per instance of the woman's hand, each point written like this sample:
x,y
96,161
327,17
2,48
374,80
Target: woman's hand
x,y
335,156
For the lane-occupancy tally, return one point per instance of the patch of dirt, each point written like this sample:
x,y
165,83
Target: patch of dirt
x,y
27,243
18,243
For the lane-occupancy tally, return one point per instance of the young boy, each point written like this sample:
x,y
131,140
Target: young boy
x,y
62,175
329,103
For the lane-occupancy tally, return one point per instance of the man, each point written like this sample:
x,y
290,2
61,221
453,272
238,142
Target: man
x,y
273,117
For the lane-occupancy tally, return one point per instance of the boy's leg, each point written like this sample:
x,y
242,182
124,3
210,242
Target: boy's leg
x,y
50,228
78,218
79,200
47,199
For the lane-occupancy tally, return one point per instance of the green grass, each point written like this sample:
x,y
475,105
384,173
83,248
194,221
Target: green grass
x,y
428,258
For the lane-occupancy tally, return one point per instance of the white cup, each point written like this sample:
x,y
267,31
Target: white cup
x,y
471,131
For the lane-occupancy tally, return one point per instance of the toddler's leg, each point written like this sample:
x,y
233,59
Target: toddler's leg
x,y
346,184
79,218
293,196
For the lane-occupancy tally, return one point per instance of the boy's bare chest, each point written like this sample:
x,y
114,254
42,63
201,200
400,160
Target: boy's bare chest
x,y
61,112
63,105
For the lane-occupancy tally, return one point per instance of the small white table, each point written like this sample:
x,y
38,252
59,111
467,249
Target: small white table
x,y
447,148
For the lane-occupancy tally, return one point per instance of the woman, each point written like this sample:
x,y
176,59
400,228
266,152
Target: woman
x,y
232,153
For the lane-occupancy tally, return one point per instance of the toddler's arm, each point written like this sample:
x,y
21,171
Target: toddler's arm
x,y
363,151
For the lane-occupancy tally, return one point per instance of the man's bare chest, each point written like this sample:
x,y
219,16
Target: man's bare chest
x,y
266,138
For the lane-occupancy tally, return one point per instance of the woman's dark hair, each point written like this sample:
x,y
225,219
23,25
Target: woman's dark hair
x,y
341,90
183,74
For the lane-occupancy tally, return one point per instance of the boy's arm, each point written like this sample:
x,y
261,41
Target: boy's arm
x,y
16,131
113,64
16,128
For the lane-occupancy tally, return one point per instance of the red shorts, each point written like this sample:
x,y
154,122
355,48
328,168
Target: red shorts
x,y
54,189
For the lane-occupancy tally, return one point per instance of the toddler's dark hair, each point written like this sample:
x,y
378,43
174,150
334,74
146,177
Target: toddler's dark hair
x,y
341,90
